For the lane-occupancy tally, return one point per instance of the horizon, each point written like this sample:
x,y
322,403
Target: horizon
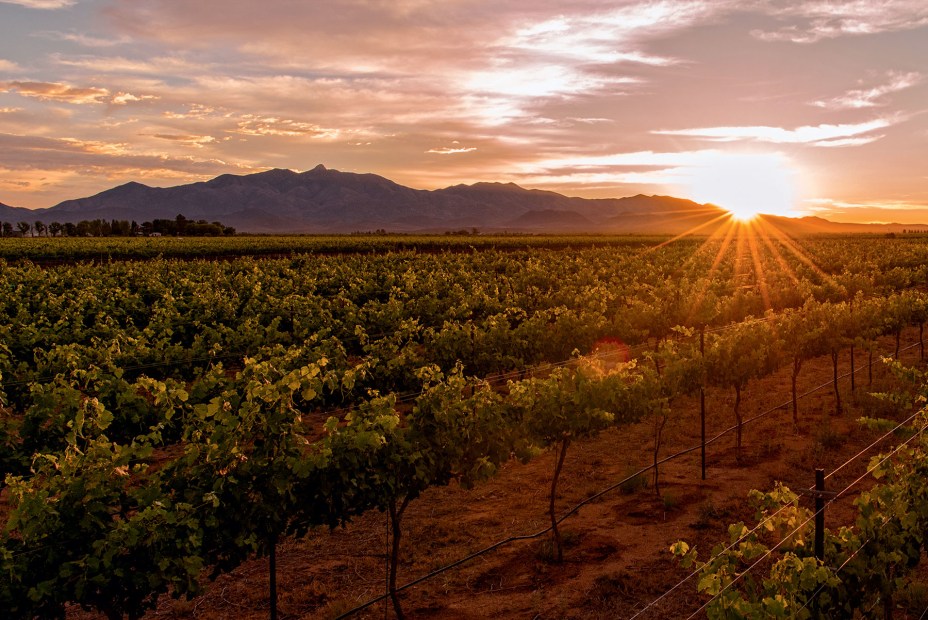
x,y
794,109
323,166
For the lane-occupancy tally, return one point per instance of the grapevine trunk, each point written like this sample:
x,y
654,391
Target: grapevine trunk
x,y
562,453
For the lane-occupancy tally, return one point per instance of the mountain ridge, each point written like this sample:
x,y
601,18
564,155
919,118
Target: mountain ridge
x,y
324,200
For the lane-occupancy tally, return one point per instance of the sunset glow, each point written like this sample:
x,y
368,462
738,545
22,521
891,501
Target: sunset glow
x,y
808,107
744,184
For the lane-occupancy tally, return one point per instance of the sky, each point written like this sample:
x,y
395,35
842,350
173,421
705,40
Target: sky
x,y
810,107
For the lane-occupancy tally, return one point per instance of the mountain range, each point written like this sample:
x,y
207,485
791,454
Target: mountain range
x,y
329,201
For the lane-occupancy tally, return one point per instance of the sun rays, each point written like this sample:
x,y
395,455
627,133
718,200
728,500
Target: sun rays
x,y
751,253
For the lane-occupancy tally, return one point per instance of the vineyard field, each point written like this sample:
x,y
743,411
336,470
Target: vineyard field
x,y
617,559
70,249
361,411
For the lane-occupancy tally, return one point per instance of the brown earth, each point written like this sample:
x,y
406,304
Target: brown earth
x,y
616,558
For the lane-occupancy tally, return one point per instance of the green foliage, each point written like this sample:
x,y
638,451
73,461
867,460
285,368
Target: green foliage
x,y
166,418
769,571
91,527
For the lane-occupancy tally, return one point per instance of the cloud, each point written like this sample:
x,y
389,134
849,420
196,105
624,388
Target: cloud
x,y
187,140
452,150
64,93
870,97
815,135
634,159
815,20
84,40
42,4
195,111
878,211
252,125
539,80
842,142
158,65
8,66
611,36
818,204
40,171
52,91
124,98
614,169
493,63
108,159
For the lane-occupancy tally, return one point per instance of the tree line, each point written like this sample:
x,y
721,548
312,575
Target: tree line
x,y
179,226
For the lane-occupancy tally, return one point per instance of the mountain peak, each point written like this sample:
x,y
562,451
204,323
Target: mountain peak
x,y
131,185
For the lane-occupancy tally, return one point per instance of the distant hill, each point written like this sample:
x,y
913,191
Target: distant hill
x,y
17,214
324,200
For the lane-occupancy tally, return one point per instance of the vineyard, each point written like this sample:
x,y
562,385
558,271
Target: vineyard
x,y
461,426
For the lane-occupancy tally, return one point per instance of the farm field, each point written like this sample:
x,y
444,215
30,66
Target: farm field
x,y
67,249
170,423
617,559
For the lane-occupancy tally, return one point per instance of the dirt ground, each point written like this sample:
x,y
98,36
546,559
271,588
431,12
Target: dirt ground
x,y
616,558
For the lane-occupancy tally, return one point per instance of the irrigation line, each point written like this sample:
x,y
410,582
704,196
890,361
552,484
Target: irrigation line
x,y
588,500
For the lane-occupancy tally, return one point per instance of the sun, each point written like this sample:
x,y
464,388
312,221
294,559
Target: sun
x,y
744,184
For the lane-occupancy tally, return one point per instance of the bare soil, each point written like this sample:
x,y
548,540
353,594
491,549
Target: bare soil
x,y
616,558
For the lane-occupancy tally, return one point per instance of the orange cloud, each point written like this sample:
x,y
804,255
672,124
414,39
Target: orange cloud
x,y
64,93
452,150
187,140
52,91
252,125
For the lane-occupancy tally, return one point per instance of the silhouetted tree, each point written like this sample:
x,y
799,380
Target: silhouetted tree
x,y
24,227
39,227
55,228
120,228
